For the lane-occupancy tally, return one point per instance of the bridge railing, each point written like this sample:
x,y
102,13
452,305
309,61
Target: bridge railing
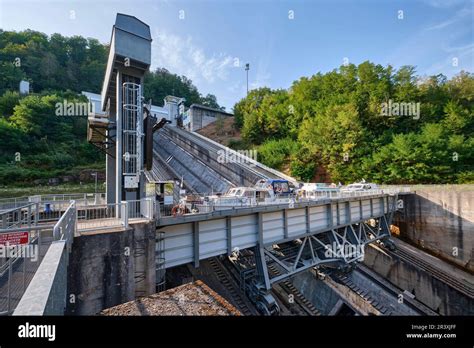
x,y
46,294
201,204
25,215
83,198
101,216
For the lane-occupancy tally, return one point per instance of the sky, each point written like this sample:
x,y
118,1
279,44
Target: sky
x,y
210,41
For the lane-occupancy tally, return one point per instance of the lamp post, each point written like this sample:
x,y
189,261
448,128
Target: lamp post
x,y
95,190
247,67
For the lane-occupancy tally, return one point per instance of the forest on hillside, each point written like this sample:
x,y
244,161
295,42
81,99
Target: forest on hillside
x,y
35,144
335,126
327,127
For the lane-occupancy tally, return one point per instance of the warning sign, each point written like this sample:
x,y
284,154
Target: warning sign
x,y
13,238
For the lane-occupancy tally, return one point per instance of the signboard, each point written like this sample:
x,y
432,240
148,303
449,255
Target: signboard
x,y
150,189
168,200
14,238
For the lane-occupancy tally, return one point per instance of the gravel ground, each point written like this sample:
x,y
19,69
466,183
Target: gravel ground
x,y
189,299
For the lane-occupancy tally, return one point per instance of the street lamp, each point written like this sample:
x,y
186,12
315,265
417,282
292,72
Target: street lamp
x,y
247,67
95,195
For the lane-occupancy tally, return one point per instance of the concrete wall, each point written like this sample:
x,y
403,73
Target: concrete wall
x,y
318,293
440,219
432,292
107,268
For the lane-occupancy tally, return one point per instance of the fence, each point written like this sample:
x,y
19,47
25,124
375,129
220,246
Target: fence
x,y
26,215
102,216
19,262
28,282
202,204
82,198
46,294
141,209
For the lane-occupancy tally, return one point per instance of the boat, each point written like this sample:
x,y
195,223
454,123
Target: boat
x,y
360,186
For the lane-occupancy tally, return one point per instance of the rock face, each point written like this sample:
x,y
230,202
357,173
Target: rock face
x,y
440,219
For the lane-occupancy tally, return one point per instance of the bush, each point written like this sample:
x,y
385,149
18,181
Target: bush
x,y
274,153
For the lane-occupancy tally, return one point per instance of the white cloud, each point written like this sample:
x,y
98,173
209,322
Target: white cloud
x,y
443,3
461,14
182,56
261,80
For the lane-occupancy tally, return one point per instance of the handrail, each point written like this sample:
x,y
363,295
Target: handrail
x,y
66,225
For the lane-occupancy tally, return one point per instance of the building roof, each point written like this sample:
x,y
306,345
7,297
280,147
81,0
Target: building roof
x,y
132,25
199,106
188,299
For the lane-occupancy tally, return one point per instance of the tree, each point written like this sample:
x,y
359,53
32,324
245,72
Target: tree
x,y
8,101
337,121
210,100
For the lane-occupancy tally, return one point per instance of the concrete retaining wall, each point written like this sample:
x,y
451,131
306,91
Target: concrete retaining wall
x,y
110,268
429,290
440,219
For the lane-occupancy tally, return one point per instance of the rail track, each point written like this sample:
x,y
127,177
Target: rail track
x,y
167,154
209,162
223,276
208,155
387,287
462,287
250,171
304,306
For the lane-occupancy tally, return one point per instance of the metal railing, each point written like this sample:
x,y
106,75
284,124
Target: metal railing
x,y
20,286
19,262
46,294
66,225
202,204
82,198
141,209
94,217
26,215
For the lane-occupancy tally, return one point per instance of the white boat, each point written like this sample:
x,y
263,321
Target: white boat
x,y
317,190
360,186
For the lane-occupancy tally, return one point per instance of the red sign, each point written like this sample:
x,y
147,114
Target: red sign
x,y
14,238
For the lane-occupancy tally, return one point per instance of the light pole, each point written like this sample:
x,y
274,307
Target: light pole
x,y
247,67
95,190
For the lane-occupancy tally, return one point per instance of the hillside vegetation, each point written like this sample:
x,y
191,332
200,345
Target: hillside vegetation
x,y
338,123
35,143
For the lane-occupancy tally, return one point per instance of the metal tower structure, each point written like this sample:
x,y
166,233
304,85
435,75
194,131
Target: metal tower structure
x,y
122,101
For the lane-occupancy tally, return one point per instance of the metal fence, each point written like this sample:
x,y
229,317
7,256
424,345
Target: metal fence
x,y
18,263
202,204
94,217
36,299
82,198
26,215
141,209
19,266
66,225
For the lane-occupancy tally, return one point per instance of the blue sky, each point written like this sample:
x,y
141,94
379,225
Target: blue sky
x,y
215,36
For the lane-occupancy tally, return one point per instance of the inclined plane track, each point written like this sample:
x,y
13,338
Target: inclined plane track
x,y
457,284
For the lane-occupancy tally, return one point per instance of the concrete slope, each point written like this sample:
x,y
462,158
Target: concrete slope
x,y
206,165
